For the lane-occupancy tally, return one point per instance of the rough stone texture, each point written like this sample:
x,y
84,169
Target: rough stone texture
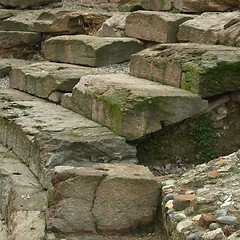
x,y
19,44
44,78
113,198
44,140
23,201
51,21
192,6
6,65
153,26
133,107
215,199
215,28
26,3
114,26
90,50
204,69
153,5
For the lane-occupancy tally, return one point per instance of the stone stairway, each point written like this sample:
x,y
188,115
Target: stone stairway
x,y
73,170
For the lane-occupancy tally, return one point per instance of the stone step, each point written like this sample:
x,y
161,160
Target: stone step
x,y
212,28
55,21
47,79
90,50
133,107
207,70
114,198
45,135
23,201
155,26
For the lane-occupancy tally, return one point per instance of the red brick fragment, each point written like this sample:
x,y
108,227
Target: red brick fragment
x,y
182,201
213,174
206,219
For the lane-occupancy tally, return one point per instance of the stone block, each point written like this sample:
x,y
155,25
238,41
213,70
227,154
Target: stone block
x,y
26,3
204,69
19,44
113,198
212,28
133,107
90,50
192,6
44,78
56,137
155,26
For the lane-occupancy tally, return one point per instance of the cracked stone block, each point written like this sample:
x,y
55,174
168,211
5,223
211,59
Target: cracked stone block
x,y
91,50
114,198
134,107
154,26
44,78
204,69
45,139
212,28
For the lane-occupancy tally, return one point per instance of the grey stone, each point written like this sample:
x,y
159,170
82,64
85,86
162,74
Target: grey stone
x,y
59,137
154,26
113,198
90,50
214,226
204,69
26,3
43,78
133,107
214,235
229,220
192,236
212,28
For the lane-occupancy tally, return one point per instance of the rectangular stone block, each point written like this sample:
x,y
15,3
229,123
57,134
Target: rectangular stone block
x,y
134,107
154,26
207,70
114,198
212,28
90,50
56,137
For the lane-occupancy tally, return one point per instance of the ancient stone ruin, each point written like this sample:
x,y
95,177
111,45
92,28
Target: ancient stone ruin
x,y
119,119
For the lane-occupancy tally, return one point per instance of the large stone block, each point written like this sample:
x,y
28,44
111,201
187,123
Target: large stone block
x,y
199,6
204,69
45,135
153,26
90,50
19,44
133,107
44,78
113,198
212,28
26,3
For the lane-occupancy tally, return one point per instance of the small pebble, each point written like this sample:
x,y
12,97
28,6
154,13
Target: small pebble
x,y
179,217
168,197
214,226
228,220
221,212
193,236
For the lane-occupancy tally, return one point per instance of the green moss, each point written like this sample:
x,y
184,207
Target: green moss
x,y
204,136
190,81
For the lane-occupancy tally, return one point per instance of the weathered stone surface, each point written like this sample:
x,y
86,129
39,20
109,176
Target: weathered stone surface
x,y
51,21
153,5
199,6
23,201
42,79
133,107
215,28
114,26
6,65
153,26
204,69
26,3
113,198
58,137
19,44
90,50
